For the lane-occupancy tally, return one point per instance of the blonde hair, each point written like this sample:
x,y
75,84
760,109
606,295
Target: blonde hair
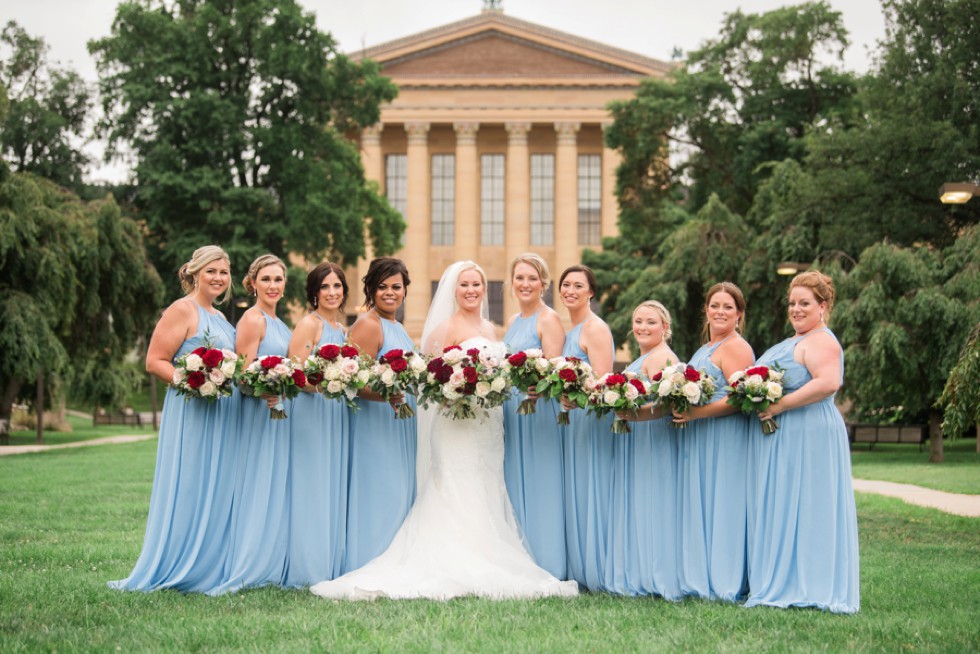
x,y
202,257
664,315
821,285
736,293
253,271
537,262
471,265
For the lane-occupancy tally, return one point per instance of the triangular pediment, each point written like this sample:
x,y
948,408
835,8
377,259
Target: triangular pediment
x,y
492,45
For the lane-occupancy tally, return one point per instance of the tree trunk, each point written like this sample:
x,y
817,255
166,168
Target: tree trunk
x,y
39,405
10,391
935,437
153,399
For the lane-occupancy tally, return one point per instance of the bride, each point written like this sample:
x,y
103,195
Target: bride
x,y
460,538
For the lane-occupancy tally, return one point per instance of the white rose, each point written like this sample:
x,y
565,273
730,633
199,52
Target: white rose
x,y
735,377
482,389
692,392
217,376
179,376
282,370
364,376
677,379
775,375
498,384
754,380
542,365
449,392
208,389
589,384
457,378
334,386
388,377
193,362
533,353
631,393
453,356
228,367
349,366
417,364
331,373
610,397
664,389
774,391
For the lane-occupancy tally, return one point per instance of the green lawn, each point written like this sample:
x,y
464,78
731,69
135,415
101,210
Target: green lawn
x,y
959,473
81,430
72,519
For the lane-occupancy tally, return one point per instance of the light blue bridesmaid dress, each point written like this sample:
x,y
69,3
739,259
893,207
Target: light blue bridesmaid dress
x,y
533,467
188,525
588,455
260,513
382,468
712,478
803,542
642,544
318,461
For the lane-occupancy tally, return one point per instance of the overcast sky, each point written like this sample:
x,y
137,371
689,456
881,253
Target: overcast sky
x,y
649,27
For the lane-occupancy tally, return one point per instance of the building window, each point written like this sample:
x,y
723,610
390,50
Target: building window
x,y
492,199
495,300
396,185
443,199
542,199
589,199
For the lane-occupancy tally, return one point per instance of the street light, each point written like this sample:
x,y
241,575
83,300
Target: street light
x,y
790,267
793,267
957,192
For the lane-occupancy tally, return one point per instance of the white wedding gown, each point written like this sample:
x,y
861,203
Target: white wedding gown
x,y
460,538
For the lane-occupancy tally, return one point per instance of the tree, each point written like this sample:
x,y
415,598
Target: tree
x,y
45,128
238,114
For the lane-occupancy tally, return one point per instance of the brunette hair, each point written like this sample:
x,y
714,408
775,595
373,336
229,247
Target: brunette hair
x,y
589,275
315,278
202,257
664,315
820,284
381,269
253,271
537,262
736,293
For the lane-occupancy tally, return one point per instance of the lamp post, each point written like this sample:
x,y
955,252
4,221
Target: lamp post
x,y
792,267
957,192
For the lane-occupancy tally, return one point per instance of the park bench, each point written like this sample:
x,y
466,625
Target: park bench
x,y
117,419
871,434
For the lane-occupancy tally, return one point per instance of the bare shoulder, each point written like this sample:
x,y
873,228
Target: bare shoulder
x,y
510,321
489,330
548,318
736,347
821,343
367,333
252,318
597,328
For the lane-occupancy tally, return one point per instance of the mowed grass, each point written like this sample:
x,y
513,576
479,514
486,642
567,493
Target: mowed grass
x,y
959,473
70,520
82,429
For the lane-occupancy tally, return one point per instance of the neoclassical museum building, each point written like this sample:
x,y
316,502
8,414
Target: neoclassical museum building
x,y
494,146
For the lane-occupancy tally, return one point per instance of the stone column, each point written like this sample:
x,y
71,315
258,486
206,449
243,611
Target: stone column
x,y
418,236
517,216
467,191
566,198
610,206
373,160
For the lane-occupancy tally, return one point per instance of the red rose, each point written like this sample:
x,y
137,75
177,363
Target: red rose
x,y
349,351
657,377
398,365
567,375
196,379
692,375
211,358
444,374
200,351
758,370
573,359
638,385
469,374
473,353
299,377
270,362
451,347
517,359
435,365
329,351
469,389
315,379
390,355
615,380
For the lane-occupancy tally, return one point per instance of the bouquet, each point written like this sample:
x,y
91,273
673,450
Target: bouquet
x,y
397,371
460,381
754,390
617,392
273,375
338,372
206,372
571,377
680,386
526,369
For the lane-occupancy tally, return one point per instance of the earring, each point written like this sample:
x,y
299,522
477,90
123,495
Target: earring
x,y
315,303
255,293
821,316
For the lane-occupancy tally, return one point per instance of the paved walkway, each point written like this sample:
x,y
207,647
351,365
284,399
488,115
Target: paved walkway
x,y
955,503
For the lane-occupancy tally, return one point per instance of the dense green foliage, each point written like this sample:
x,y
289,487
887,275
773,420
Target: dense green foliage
x,y
55,563
238,114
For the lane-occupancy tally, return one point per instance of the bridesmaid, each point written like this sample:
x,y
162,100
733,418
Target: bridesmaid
x,y
533,466
319,444
260,517
713,455
642,538
186,536
803,539
588,451
382,448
